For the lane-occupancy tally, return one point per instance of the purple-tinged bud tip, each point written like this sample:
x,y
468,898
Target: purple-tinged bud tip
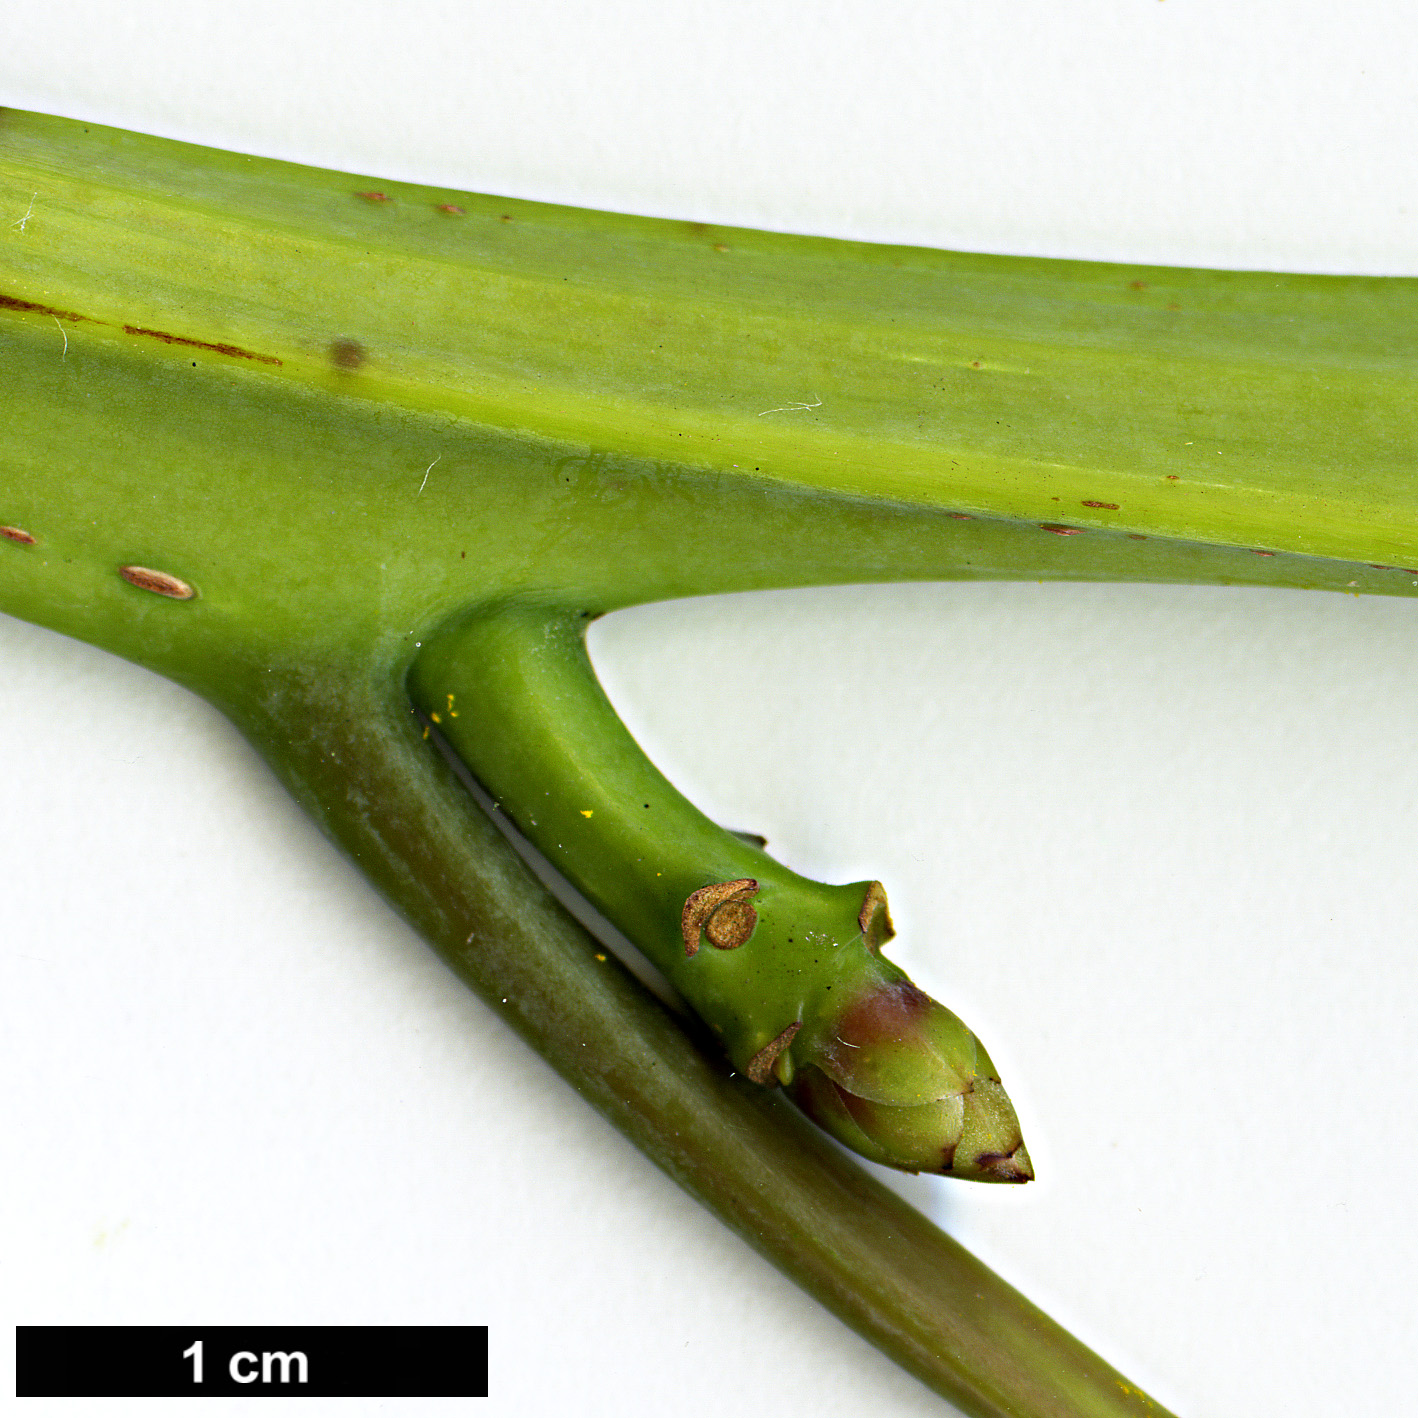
x,y
899,1079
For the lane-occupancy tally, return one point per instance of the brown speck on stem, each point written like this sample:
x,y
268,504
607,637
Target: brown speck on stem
x,y
375,197
723,912
504,217
719,246
1258,552
346,354
1061,531
451,208
1137,285
17,534
1106,506
168,338
875,917
160,583
10,302
731,924
962,516
1172,477
760,1066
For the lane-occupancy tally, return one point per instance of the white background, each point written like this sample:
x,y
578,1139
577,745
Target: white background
x,y
1154,844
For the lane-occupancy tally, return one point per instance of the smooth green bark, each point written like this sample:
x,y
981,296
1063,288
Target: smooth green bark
x,y
348,424
787,973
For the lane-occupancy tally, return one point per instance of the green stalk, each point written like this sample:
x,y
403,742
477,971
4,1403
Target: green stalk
x,y
306,428
787,973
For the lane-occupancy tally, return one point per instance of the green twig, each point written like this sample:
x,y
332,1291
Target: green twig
x,y
296,435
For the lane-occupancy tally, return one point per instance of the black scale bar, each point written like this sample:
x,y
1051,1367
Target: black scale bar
x,y
259,1361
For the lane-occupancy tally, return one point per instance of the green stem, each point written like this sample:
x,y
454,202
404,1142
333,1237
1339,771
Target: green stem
x,y
514,694
347,426
787,972
351,751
